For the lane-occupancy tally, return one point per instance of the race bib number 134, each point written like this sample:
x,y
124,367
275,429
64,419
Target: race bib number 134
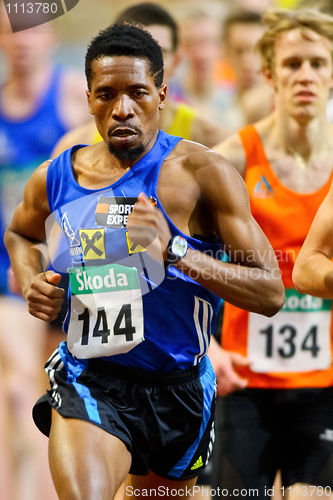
x,y
296,339
106,316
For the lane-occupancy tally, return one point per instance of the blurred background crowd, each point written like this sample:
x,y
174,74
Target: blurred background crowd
x,y
213,70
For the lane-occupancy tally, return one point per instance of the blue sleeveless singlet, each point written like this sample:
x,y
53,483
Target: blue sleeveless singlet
x,y
179,314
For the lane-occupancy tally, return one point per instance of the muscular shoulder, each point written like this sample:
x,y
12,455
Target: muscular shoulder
x,y
187,147
195,155
187,153
203,182
35,192
214,173
232,149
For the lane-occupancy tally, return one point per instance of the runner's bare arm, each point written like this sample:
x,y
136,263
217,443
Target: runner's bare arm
x,y
313,270
225,364
22,238
251,279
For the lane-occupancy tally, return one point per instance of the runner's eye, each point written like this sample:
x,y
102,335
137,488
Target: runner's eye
x,y
139,93
104,96
317,64
294,64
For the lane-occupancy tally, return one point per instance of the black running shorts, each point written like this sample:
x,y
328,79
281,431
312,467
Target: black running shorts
x,y
165,419
260,431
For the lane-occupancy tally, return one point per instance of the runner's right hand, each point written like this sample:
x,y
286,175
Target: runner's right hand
x,y
44,298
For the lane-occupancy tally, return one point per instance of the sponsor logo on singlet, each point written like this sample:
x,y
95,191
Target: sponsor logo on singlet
x,y
93,243
114,211
263,189
100,280
134,247
75,245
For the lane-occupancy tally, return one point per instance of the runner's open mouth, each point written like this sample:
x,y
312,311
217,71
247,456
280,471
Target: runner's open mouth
x,y
123,132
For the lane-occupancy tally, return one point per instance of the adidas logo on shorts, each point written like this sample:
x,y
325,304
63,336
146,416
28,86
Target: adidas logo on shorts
x,y
197,464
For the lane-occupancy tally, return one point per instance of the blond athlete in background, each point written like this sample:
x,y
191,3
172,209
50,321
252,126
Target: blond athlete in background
x,y
283,419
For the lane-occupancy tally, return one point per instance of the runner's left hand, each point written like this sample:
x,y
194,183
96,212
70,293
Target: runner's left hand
x,y
147,226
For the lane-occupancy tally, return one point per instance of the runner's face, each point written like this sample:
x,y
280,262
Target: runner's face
x,y
125,102
302,73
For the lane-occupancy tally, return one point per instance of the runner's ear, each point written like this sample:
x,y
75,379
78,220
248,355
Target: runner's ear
x,y
162,94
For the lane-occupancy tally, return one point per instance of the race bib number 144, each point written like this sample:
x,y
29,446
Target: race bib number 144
x,y
106,316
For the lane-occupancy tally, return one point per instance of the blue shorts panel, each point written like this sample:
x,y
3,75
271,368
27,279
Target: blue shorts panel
x,y
166,419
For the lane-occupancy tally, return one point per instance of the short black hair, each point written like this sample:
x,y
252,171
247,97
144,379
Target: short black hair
x,y
148,13
126,40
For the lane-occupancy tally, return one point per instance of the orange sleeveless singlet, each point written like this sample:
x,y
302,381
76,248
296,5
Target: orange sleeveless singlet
x,y
292,349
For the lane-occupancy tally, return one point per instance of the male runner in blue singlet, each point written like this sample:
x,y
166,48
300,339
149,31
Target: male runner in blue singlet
x,y
131,389
39,102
